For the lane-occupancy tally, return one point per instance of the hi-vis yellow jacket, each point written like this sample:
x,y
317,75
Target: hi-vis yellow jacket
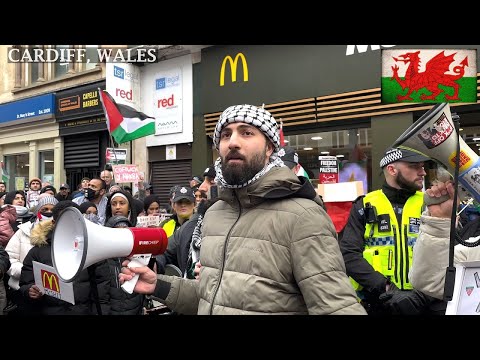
x,y
389,248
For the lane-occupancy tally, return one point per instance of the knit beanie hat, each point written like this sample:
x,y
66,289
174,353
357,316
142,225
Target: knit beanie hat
x,y
45,201
34,179
252,115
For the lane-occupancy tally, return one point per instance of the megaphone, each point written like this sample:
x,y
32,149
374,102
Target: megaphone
x,y
434,136
78,243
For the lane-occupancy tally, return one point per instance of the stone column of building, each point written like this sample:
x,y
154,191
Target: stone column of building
x,y
59,176
33,160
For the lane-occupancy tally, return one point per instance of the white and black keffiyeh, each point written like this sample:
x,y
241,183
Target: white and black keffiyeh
x,y
275,161
194,250
249,114
258,117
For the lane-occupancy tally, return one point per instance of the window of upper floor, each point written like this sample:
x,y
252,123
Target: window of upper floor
x,y
28,74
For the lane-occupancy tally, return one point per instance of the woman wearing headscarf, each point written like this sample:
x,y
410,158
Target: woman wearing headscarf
x,y
120,203
90,211
17,199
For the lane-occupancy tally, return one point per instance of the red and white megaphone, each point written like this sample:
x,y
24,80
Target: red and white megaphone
x,y
434,136
78,243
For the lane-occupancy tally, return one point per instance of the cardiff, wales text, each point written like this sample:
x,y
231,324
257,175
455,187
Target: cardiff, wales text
x,y
19,54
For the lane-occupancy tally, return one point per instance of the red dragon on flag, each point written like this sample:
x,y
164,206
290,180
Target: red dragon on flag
x,y
429,84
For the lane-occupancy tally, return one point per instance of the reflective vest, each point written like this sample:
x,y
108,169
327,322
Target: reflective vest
x,y
388,249
169,227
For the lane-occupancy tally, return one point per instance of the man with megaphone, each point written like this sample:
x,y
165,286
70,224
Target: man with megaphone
x,y
268,246
378,239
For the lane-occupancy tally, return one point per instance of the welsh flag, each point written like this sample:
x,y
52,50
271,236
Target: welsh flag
x,y
429,76
124,122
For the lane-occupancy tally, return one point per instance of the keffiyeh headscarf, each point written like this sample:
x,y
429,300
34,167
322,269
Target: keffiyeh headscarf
x,y
254,116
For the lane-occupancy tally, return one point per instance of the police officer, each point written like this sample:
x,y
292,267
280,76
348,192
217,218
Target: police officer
x,y
378,239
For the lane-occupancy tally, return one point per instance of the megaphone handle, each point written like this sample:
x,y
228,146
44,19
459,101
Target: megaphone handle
x,y
429,200
136,261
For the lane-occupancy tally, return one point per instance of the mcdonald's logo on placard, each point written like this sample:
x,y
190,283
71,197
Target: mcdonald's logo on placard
x,y
50,281
233,68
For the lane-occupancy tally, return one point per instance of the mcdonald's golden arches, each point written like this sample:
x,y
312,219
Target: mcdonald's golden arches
x,y
233,68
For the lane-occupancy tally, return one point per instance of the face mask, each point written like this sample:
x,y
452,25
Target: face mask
x,y
90,194
93,218
44,215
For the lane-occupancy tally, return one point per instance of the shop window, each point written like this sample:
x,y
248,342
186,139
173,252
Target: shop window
x,y
352,149
47,166
61,68
15,173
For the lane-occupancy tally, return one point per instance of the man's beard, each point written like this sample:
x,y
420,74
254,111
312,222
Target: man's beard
x,y
238,174
407,185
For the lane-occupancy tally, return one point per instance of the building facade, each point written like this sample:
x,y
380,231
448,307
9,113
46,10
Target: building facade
x,y
328,98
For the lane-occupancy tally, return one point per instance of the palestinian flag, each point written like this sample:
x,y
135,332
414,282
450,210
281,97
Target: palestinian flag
x,y
301,172
429,76
124,122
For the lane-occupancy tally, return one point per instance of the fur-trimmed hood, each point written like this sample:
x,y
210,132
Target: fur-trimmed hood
x,y
41,233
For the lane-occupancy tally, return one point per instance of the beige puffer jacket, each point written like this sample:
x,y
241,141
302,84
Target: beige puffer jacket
x,y
430,255
268,249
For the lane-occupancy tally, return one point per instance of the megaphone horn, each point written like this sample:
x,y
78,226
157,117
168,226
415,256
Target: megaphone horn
x,y
78,243
434,135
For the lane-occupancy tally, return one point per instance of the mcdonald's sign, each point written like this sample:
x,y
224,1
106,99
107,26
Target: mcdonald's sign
x,y
233,67
50,279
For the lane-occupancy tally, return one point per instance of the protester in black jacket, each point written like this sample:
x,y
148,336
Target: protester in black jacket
x,y
4,266
84,293
121,302
178,249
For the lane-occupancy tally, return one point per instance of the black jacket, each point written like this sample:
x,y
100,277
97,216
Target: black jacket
x,y
121,302
178,247
4,262
83,294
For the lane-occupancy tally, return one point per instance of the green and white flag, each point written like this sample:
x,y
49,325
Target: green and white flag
x,y
429,76
124,122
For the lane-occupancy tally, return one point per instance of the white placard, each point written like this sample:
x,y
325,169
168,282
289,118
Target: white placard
x,y
146,221
49,283
466,293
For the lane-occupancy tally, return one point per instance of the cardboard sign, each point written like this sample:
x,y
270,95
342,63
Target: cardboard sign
x,y
146,221
328,170
466,293
125,173
345,191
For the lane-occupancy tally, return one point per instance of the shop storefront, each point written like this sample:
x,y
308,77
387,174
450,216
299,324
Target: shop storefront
x,y
328,98
30,145
83,129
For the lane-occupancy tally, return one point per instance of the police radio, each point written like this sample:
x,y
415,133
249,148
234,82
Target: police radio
x,y
370,213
